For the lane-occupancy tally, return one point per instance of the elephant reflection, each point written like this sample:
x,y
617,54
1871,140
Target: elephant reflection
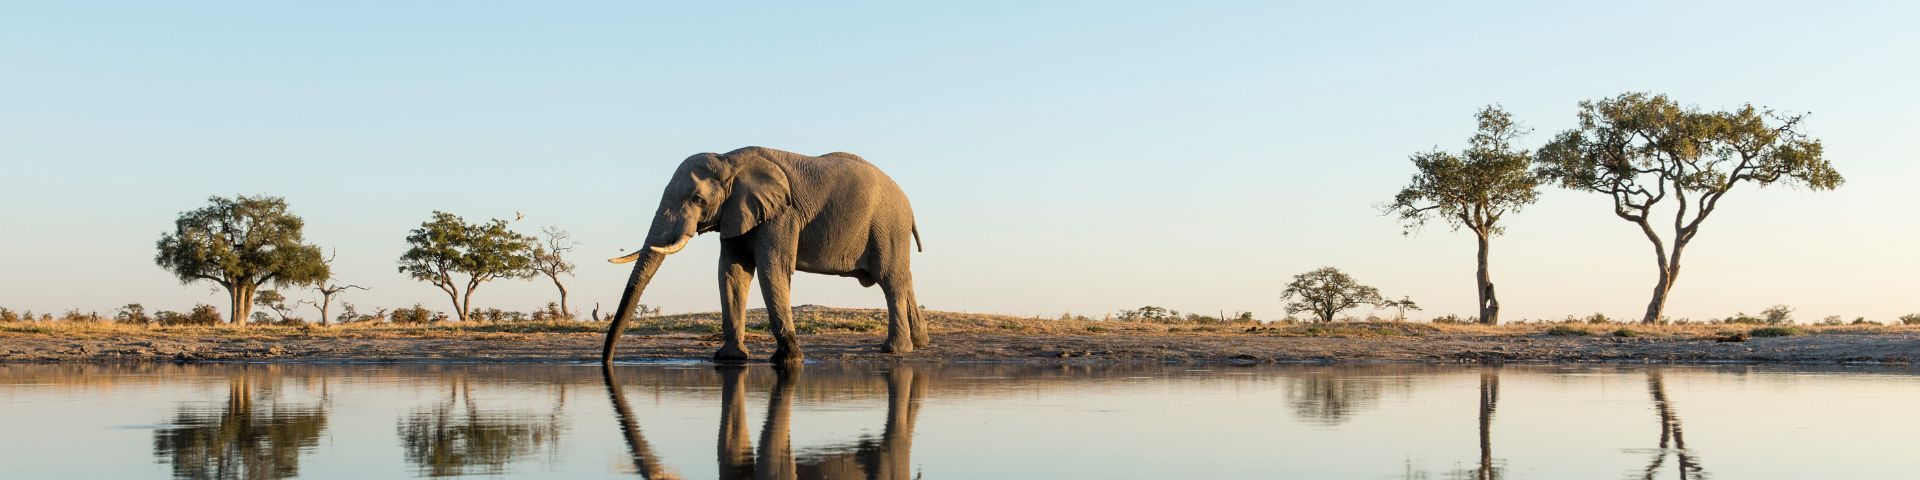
x,y
457,437
243,438
1689,466
886,457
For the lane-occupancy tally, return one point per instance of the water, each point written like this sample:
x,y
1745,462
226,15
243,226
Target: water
x,y
699,421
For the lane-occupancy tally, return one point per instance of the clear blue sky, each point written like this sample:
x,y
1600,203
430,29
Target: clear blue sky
x,y
1081,157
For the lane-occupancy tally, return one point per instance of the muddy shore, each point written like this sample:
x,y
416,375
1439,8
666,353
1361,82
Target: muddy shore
x,y
293,346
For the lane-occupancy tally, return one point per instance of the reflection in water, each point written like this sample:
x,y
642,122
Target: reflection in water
x,y
644,460
456,437
885,457
1330,398
242,439
1669,430
1489,399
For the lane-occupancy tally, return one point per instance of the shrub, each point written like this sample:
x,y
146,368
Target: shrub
x,y
74,315
414,315
1833,320
1910,319
1452,319
1864,321
1743,319
1786,331
1598,317
201,314
8,315
1625,332
1568,330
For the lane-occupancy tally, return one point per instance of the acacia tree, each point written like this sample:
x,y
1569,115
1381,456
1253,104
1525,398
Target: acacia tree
x,y
240,244
1641,150
549,258
1326,292
447,246
1472,190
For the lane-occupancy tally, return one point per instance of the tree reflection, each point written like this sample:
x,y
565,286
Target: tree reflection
x,y
456,437
887,456
243,439
1673,441
1331,398
1489,400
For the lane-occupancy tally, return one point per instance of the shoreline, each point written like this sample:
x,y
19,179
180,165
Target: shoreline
x,y
296,346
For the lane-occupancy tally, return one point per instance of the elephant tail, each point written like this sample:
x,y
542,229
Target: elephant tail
x,y
917,246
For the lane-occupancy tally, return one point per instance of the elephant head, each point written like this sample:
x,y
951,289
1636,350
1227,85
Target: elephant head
x,y
728,193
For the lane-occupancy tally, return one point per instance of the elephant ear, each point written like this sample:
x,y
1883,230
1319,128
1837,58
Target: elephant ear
x,y
760,192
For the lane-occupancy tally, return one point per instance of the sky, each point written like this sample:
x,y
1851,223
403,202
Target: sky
x,y
1079,157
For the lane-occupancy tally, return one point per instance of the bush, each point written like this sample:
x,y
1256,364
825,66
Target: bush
x,y
1568,331
1625,332
1452,319
1864,321
1598,317
1833,320
201,314
1743,319
414,315
1786,331
1910,319
8,315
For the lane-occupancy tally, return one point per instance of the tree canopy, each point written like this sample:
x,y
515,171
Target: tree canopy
x,y
1472,190
1641,150
240,244
1326,292
446,247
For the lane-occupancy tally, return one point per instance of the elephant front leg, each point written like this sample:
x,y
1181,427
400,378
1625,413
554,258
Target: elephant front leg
x,y
774,286
736,275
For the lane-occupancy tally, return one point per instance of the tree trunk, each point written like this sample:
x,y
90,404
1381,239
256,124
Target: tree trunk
x,y
1483,280
241,296
325,300
1669,273
564,312
466,304
454,295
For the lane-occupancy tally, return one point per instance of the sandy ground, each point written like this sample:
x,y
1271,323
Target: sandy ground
x,y
1899,348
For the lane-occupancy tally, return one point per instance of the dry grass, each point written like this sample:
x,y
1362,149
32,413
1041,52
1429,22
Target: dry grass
x,y
812,319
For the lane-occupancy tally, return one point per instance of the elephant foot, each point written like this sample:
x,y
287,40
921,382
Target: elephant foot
x,y
730,353
921,340
897,346
787,356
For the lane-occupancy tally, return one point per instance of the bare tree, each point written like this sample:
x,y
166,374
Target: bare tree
x,y
1472,190
1642,149
328,289
550,259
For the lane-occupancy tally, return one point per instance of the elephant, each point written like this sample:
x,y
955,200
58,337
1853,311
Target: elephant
x,y
779,212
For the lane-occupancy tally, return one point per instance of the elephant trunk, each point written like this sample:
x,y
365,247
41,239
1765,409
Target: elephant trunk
x,y
649,262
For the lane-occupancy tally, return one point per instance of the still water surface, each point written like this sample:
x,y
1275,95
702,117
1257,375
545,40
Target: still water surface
x,y
898,422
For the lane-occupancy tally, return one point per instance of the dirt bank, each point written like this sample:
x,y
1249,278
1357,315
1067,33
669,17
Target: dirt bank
x,y
296,345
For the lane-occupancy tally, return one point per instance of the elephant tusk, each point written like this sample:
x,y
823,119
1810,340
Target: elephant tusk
x,y
628,258
674,248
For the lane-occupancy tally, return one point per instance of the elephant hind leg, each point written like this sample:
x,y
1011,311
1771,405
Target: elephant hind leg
x,y
900,313
918,320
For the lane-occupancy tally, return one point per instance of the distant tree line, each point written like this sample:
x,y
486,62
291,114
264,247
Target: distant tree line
x,y
253,248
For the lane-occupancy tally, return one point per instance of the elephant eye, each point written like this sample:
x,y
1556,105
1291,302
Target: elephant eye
x,y
699,201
